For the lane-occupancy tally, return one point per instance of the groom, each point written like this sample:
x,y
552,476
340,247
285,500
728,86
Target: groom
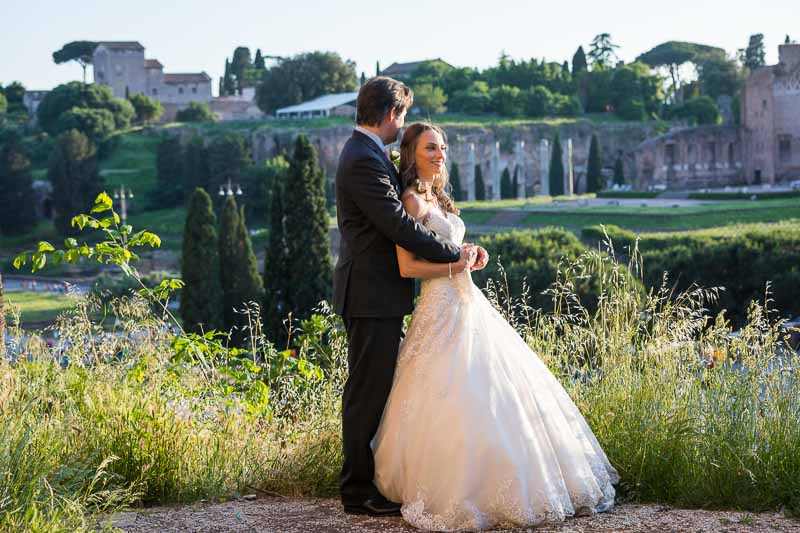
x,y
368,291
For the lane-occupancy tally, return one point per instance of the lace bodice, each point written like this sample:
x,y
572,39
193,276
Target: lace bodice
x,y
451,227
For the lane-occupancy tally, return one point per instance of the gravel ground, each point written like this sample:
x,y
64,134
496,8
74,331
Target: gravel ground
x,y
287,515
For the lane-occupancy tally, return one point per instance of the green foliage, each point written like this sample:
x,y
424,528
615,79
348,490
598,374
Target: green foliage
x,y
240,280
538,102
743,259
677,53
594,176
754,56
555,175
96,124
619,172
515,184
81,95
17,199
201,297
258,182
430,99
195,112
480,186
72,170
307,240
79,51
506,191
277,263
474,99
303,77
195,170
531,261
3,103
719,76
506,101
15,98
699,110
147,109
169,191
602,51
579,62
228,159
455,183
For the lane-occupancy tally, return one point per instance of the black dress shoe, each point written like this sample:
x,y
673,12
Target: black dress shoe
x,y
374,507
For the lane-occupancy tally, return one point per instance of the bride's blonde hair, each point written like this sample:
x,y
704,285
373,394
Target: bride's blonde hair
x,y
408,166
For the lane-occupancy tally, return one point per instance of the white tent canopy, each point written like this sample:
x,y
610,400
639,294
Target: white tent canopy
x,y
318,107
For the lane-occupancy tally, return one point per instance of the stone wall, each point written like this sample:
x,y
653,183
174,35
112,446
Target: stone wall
x,y
493,148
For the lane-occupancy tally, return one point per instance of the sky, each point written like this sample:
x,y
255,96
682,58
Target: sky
x,y
197,35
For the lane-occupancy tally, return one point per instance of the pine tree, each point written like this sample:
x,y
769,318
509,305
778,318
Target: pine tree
x,y
455,182
276,267
515,184
73,173
195,166
619,172
556,174
594,177
201,297
480,187
307,240
579,61
505,184
239,277
17,199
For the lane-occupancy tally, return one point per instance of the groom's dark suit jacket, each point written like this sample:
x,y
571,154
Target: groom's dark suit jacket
x,y
366,281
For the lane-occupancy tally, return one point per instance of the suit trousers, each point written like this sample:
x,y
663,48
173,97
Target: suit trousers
x,y
371,356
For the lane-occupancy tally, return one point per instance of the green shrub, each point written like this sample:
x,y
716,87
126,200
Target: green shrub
x,y
742,259
530,261
195,112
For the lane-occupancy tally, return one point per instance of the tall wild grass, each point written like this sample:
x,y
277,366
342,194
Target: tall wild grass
x,y
690,412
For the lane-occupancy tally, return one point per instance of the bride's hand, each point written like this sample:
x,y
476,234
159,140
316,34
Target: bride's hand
x,y
482,259
468,257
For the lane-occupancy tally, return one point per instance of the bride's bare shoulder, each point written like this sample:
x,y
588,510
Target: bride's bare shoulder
x,y
413,202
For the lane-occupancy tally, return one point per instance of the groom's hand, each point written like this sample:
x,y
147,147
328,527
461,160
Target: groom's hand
x,y
468,257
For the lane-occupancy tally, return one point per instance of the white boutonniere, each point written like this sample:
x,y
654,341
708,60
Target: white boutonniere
x,y
394,157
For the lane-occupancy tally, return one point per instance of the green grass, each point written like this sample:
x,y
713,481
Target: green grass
x,y
133,164
38,309
648,219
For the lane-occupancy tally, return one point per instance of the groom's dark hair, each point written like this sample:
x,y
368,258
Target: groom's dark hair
x,y
378,96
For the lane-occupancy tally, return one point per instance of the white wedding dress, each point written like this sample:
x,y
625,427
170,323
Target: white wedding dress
x,y
477,433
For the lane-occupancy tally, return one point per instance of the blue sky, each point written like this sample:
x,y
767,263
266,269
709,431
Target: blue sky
x,y
190,36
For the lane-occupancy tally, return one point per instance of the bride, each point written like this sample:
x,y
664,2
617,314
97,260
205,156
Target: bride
x,y
477,432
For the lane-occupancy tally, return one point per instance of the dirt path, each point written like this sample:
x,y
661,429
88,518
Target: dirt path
x,y
325,516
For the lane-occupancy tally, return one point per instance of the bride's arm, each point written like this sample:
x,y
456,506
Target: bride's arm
x,y
414,267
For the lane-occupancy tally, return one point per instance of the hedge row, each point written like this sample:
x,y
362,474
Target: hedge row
x,y
627,194
773,195
742,259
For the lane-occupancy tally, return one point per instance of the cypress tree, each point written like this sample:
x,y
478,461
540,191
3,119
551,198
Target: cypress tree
x,y
230,85
307,240
17,199
276,267
594,177
377,68
73,172
515,184
556,174
201,297
239,277
455,182
2,320
228,158
480,187
169,172
259,60
619,172
579,61
195,166
505,184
